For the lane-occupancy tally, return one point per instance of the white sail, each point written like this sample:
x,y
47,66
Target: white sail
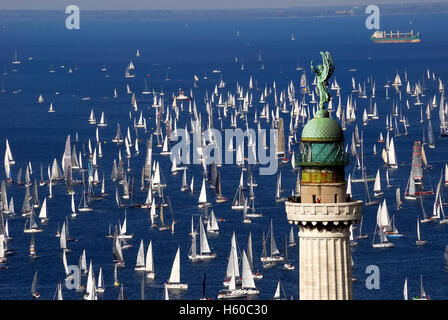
x,y
405,289
63,238
349,186
232,265
203,195
247,277
204,247
43,211
149,263
377,185
384,217
175,270
391,154
212,226
140,255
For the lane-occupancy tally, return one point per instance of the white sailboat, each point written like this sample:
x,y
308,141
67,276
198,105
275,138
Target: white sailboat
x,y
174,280
102,122
384,243
43,212
247,279
212,224
377,186
100,285
232,273
63,239
392,158
149,263
140,264
203,196
204,248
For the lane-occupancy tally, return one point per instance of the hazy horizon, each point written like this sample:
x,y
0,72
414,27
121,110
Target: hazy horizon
x,y
190,4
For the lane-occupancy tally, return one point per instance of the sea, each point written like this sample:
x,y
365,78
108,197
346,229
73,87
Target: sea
x,y
171,53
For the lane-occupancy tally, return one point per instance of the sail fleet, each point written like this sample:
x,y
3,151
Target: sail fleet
x,y
132,165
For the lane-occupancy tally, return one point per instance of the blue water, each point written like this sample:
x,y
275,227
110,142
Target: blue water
x,y
197,48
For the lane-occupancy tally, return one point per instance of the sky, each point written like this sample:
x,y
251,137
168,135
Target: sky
x,y
185,4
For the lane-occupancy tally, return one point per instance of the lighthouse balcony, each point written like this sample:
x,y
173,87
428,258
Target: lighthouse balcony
x,y
344,212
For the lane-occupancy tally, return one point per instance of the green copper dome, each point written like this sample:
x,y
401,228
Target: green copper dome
x,y
322,128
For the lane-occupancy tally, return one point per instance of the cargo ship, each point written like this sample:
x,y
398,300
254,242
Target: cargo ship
x,y
398,37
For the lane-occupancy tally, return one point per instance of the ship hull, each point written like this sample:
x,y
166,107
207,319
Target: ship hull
x,y
397,40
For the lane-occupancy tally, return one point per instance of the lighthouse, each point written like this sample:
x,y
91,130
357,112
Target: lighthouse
x,y
322,210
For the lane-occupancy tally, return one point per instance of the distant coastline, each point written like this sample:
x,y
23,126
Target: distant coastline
x,y
225,14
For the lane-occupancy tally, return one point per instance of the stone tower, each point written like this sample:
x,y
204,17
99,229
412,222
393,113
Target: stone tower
x,y
323,212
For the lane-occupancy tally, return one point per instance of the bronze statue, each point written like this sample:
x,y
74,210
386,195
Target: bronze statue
x,y
323,73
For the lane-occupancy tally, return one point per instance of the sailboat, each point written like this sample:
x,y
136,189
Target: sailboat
x,y
31,225
232,264
422,295
409,193
394,233
165,148
232,292
117,252
360,235
353,242
274,255
174,280
419,241
129,70
247,279
140,264
232,273
246,219
91,286
204,248
83,206
116,281
100,285
377,186
203,196
292,242
278,190
43,212
149,263
218,190
238,199
34,293
287,265
384,243
398,198
123,229
212,224
92,119
15,59
185,186
63,239
32,249
405,289
391,155
279,292
382,225
102,122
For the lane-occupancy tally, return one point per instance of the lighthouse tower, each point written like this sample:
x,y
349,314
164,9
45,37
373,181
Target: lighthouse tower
x,y
323,212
